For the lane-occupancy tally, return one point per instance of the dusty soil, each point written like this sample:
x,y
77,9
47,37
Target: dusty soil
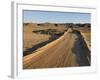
x,y
33,40
68,50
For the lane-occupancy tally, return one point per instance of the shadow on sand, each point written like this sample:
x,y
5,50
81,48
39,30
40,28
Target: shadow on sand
x,y
81,50
35,47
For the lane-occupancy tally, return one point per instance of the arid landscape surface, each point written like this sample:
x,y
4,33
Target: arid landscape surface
x,y
51,45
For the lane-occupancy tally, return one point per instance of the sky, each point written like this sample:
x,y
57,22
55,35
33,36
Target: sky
x,y
55,17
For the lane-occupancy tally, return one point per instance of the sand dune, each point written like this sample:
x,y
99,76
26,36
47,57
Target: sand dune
x,y
59,53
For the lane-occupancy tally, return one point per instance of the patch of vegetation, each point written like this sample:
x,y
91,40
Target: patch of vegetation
x,y
25,24
49,32
56,25
83,25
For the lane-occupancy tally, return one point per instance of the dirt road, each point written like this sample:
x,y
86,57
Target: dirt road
x,y
63,52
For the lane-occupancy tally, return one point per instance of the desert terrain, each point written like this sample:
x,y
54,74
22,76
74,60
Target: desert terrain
x,y
38,35
51,45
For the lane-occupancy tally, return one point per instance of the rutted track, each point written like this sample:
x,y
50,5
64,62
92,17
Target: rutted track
x,y
58,53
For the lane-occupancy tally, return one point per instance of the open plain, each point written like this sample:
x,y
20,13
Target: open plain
x,y
55,45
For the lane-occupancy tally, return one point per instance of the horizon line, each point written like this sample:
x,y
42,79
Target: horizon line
x,y
58,22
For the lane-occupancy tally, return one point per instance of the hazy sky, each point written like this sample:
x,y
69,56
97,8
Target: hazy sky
x,y
55,17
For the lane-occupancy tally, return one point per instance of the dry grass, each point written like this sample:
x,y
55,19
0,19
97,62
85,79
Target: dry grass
x,y
31,38
55,54
58,53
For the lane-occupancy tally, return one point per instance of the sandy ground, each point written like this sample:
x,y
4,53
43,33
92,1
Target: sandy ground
x,y
66,51
31,39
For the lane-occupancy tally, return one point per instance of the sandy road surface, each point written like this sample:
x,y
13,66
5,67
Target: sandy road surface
x,y
58,53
